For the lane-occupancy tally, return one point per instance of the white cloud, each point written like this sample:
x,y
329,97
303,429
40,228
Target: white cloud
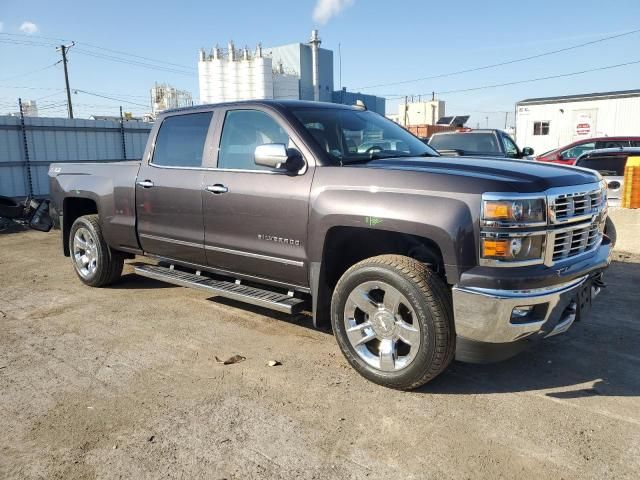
x,y
325,9
29,28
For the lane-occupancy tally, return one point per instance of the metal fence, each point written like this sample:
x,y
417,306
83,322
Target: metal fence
x,y
28,146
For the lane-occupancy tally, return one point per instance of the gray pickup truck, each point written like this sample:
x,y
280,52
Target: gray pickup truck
x,y
414,259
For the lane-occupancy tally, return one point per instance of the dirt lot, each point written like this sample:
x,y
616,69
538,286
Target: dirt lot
x,y
123,383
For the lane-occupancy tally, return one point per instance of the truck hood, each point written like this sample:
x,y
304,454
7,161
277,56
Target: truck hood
x,y
522,175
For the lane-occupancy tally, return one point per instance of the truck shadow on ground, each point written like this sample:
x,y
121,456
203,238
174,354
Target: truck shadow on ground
x,y
601,351
542,368
596,357
565,362
131,281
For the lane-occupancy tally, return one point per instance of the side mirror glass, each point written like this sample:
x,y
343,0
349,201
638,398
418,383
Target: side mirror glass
x,y
278,156
41,219
527,151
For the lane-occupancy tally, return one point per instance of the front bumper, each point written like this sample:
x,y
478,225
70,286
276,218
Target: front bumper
x,y
488,330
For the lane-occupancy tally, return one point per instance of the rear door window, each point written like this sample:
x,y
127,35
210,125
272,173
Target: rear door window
x,y
606,165
180,140
612,143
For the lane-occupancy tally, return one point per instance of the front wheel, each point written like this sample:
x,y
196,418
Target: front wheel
x,y
393,319
96,264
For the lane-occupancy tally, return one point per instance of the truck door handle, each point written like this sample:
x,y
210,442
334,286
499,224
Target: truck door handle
x,y
145,184
217,188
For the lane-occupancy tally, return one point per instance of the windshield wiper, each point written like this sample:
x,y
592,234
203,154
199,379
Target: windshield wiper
x,y
375,156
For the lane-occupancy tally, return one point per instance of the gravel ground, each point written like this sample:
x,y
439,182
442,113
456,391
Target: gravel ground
x,y
123,383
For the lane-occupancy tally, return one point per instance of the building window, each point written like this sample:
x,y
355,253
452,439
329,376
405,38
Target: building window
x,y
541,128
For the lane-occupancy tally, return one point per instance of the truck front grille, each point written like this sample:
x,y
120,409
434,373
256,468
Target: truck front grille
x,y
571,242
571,206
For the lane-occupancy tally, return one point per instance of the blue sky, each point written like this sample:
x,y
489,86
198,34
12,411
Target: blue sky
x,y
382,42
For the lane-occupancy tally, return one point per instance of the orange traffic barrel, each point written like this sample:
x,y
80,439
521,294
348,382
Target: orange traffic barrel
x,y
631,191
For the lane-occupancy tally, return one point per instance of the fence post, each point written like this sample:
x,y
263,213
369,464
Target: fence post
x,y
124,142
27,162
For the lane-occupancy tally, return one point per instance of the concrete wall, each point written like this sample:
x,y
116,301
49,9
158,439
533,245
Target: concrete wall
x,y
61,140
627,222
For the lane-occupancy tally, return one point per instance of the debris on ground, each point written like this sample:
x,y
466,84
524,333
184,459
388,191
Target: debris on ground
x,y
231,360
273,363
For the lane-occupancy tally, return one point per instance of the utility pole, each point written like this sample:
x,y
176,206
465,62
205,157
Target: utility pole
x,y
406,109
27,161
340,72
506,116
64,49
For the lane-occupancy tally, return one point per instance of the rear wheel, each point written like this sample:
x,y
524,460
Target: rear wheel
x,y
393,320
96,264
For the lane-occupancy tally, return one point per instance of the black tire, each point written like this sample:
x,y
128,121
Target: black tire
x,y
431,301
610,231
9,208
109,262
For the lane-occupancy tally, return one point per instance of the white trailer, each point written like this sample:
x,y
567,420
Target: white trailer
x,y
548,123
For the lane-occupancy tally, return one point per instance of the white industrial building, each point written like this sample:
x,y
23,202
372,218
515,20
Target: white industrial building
x,y
548,123
419,113
296,71
166,97
29,109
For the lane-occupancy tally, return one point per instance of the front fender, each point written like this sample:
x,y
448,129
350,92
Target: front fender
x,y
443,219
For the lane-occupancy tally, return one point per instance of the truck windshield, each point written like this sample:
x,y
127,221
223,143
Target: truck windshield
x,y
352,136
466,142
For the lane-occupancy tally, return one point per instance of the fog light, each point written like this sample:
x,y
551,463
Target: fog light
x,y
519,313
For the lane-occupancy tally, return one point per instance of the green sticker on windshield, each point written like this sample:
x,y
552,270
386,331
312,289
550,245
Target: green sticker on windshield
x,y
372,221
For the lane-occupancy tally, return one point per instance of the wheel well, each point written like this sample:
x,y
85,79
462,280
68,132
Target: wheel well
x,y
345,246
72,209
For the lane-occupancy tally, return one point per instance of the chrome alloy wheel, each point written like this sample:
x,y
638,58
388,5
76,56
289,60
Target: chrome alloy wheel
x,y
381,326
85,252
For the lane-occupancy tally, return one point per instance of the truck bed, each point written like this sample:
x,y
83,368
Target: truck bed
x,y
109,186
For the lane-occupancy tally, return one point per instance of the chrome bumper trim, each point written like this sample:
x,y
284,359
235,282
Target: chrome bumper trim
x,y
484,315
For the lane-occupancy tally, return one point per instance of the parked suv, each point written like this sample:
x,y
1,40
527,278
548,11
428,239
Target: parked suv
x,y
478,143
411,257
568,154
610,163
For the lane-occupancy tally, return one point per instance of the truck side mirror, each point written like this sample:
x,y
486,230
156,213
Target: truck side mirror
x,y
41,219
278,156
527,151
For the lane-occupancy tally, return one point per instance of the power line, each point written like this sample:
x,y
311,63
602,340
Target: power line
x,y
137,56
112,98
517,82
29,40
31,88
508,62
132,62
550,77
30,72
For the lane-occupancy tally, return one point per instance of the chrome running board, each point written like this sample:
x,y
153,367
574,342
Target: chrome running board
x,y
281,302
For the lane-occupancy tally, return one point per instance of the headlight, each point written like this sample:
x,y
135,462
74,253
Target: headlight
x,y
513,248
526,211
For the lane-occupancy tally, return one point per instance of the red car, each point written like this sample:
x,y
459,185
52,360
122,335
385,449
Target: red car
x,y
568,154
